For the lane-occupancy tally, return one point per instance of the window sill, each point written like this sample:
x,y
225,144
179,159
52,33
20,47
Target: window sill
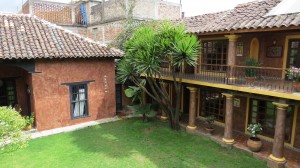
x,y
75,118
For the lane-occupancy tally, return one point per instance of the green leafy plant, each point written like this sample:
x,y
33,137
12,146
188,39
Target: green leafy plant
x,y
145,110
293,73
251,72
29,119
11,125
254,129
209,120
145,51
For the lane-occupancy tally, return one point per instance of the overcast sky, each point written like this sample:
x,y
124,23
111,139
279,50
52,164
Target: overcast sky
x,y
190,7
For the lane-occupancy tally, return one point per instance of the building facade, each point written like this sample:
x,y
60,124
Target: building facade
x,y
242,73
101,20
61,77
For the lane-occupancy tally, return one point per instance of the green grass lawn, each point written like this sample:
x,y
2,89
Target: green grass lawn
x,y
127,143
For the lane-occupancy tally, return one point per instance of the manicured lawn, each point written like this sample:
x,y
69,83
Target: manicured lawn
x,y
127,143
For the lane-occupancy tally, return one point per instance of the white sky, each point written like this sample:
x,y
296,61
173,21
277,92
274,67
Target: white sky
x,y
190,7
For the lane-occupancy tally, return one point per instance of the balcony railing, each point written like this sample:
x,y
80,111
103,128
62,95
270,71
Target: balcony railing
x,y
262,78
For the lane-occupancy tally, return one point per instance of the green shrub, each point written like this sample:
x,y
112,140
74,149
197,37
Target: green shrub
x,y
11,125
251,72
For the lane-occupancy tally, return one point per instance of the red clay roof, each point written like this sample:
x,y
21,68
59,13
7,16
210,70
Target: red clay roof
x,y
251,15
28,37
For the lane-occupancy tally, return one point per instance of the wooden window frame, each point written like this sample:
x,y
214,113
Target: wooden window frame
x,y
85,83
288,64
217,107
262,109
214,59
13,80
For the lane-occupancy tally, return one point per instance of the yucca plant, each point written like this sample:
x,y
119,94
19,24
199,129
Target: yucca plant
x,y
144,52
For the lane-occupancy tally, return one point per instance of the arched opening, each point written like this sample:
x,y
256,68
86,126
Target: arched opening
x,y
254,48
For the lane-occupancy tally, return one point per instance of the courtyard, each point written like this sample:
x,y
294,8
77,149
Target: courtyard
x,y
127,143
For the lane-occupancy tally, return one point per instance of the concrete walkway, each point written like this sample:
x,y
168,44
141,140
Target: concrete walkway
x,y
38,134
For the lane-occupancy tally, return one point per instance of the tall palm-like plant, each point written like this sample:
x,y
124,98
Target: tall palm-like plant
x,y
144,53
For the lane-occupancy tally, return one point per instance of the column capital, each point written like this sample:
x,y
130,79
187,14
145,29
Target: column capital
x,y
227,95
192,89
280,105
232,37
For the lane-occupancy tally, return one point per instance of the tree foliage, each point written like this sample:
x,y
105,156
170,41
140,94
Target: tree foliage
x,y
144,53
11,125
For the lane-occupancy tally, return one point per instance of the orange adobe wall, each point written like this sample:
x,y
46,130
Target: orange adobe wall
x,y
51,98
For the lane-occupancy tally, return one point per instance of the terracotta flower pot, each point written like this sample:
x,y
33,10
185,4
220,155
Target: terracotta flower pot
x,y
254,144
27,127
209,130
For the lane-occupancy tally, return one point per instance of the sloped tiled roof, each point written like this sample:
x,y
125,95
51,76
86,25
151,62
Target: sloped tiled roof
x,y
251,15
28,37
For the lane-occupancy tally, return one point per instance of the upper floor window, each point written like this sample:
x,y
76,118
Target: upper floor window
x,y
79,100
214,52
293,53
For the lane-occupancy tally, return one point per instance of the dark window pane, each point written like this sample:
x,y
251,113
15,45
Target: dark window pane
x,y
264,112
79,105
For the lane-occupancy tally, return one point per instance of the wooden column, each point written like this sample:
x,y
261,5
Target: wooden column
x,y
192,108
228,119
278,144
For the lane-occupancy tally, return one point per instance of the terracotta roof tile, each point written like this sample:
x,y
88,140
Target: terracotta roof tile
x,y
28,37
251,15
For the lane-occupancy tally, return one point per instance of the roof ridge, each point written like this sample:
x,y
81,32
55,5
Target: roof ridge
x,y
14,14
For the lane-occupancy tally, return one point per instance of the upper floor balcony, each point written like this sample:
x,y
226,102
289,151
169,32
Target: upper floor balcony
x,y
258,80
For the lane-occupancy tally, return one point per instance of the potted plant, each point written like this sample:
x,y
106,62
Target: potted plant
x,y
209,127
251,73
254,143
28,121
293,74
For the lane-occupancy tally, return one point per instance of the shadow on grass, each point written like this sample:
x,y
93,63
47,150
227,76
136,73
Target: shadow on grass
x,y
136,144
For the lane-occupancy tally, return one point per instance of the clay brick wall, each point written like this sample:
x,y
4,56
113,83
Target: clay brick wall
x,y
297,133
265,40
109,31
239,114
51,98
53,12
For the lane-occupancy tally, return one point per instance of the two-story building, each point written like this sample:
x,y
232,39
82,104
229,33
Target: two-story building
x,y
241,77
